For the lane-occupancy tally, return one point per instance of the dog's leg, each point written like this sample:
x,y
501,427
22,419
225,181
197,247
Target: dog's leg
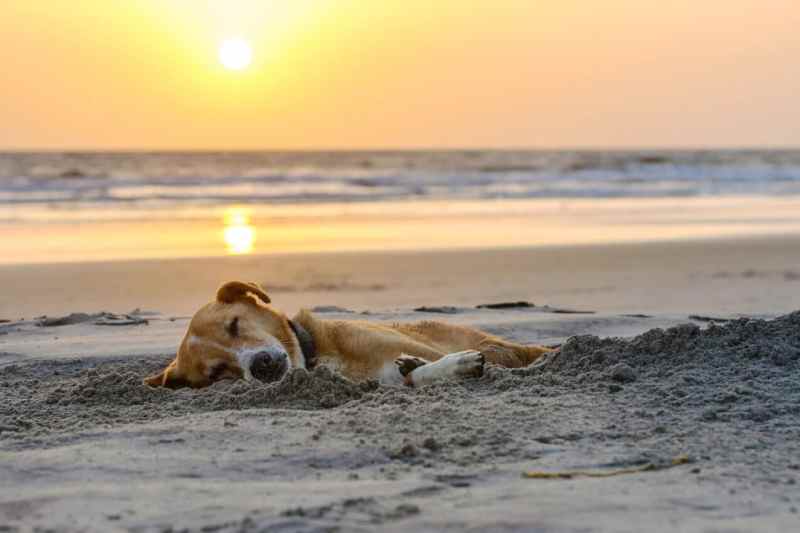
x,y
468,363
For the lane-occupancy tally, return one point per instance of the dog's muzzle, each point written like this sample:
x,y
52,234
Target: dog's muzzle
x,y
269,365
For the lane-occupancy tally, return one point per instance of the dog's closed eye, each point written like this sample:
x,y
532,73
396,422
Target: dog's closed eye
x,y
233,327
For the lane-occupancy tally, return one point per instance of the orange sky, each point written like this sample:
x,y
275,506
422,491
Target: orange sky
x,y
122,74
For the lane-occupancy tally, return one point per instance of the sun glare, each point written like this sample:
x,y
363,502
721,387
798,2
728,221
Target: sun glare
x,y
235,54
238,234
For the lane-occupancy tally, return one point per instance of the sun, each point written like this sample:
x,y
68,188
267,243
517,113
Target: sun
x,y
235,54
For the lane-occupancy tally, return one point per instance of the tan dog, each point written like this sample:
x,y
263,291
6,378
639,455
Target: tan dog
x,y
241,336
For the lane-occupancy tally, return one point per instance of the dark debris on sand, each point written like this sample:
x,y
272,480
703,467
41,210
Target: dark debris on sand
x,y
99,319
506,305
444,309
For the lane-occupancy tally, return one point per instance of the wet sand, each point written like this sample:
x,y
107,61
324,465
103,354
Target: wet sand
x,y
60,235
745,275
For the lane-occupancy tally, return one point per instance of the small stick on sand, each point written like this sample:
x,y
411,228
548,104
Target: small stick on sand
x,y
701,318
649,467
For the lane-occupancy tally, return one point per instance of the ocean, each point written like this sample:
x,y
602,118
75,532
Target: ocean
x,y
64,186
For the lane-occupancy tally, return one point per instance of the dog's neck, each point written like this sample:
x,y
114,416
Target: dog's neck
x,y
308,347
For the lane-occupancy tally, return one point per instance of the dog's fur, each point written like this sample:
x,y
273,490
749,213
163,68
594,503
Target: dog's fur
x,y
227,335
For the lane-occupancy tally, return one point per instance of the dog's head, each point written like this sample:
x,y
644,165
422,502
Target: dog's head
x,y
237,336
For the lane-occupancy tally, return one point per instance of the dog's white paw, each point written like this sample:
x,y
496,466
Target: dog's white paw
x,y
468,363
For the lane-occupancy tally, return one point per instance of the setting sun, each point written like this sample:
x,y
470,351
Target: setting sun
x,y
235,54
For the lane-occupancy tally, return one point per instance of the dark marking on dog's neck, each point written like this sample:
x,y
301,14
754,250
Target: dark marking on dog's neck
x,y
307,345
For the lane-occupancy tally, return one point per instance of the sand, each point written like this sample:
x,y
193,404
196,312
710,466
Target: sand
x,y
86,446
747,276
636,382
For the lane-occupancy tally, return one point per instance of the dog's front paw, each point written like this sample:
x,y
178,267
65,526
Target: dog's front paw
x,y
470,364
408,363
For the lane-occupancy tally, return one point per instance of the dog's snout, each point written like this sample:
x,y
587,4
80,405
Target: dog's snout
x,y
269,365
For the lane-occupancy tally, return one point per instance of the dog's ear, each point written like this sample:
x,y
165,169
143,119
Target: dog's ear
x,y
236,290
169,377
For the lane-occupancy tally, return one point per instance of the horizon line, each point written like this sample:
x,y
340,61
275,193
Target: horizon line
x,y
396,149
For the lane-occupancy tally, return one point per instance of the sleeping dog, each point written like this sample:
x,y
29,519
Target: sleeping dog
x,y
240,335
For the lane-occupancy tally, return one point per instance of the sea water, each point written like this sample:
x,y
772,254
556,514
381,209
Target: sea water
x,y
55,185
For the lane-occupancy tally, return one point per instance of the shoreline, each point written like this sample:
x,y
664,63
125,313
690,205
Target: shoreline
x,y
767,239
395,226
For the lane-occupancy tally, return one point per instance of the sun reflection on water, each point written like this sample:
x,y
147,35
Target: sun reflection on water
x,y
238,234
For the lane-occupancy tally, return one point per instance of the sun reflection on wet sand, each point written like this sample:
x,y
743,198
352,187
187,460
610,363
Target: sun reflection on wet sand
x,y
395,226
238,234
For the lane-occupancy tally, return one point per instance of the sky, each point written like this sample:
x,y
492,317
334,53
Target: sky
x,y
341,74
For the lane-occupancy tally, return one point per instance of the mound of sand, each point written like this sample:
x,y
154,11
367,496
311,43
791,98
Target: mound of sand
x,y
743,369
74,398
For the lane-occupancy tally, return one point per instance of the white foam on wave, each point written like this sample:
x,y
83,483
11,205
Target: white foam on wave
x,y
104,181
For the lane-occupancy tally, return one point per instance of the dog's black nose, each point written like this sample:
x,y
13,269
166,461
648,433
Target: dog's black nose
x,y
268,366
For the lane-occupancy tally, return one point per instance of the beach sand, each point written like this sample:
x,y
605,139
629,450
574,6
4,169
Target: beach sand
x,y
755,275
85,446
